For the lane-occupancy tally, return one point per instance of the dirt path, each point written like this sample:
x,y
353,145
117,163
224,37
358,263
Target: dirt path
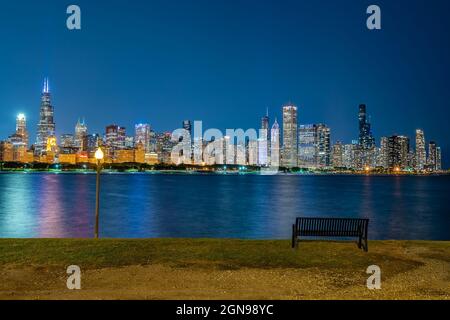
x,y
429,281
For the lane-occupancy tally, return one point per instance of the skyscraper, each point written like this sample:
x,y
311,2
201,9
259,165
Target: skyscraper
x,y
432,155
241,154
264,142
230,150
265,122
21,128
142,135
379,160
20,136
307,146
153,141
412,159
438,158
253,152
46,125
115,137
93,142
164,147
290,146
263,157
81,132
187,144
351,158
337,158
421,155
323,145
398,150
384,152
404,147
275,145
366,140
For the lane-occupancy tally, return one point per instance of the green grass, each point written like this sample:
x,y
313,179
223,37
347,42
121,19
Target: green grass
x,y
338,265
216,253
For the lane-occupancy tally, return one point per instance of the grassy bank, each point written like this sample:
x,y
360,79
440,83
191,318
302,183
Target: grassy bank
x,y
213,268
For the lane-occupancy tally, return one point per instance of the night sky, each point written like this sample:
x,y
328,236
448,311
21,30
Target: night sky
x,y
226,61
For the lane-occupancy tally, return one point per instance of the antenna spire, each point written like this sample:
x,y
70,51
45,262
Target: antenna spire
x,y
46,86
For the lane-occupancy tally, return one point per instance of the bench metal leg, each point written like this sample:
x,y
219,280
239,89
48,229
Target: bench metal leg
x,y
366,231
294,237
359,242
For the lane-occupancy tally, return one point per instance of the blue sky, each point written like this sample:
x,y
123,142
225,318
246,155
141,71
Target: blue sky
x,y
225,61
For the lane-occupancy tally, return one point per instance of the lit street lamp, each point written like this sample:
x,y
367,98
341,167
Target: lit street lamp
x,y
99,156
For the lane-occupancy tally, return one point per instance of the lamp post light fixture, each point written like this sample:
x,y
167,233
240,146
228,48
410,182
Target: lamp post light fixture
x,y
99,156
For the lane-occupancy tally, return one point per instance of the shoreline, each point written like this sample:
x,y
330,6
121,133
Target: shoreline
x,y
221,173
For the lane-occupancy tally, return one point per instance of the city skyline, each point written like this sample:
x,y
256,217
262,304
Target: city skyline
x,y
303,145
364,137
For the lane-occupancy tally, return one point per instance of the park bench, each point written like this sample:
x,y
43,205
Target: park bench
x,y
331,227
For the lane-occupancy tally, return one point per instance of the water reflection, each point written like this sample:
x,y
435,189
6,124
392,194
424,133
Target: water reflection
x,y
244,206
16,195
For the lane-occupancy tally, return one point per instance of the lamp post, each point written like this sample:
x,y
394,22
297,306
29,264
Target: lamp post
x,y
99,156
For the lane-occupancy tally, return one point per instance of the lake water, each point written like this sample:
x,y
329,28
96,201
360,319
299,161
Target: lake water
x,y
220,206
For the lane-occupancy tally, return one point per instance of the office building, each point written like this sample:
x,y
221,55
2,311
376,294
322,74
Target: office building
x,y
323,145
115,136
337,155
398,150
264,141
253,152
432,156
20,136
307,146
290,140
351,158
421,155
365,140
438,158
275,145
93,142
384,152
80,137
142,134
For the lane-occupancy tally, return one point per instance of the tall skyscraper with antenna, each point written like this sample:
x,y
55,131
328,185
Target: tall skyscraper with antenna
x,y
46,125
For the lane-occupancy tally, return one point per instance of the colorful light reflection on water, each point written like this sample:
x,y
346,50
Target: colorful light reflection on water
x,y
240,206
